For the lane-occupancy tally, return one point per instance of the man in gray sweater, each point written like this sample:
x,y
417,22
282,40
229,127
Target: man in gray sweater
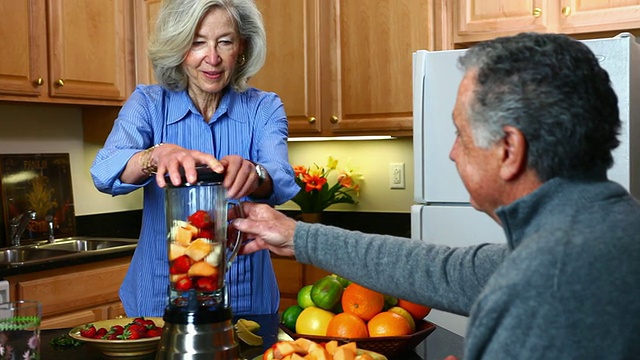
x,y
536,122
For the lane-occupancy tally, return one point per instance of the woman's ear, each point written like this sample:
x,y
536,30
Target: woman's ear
x,y
514,153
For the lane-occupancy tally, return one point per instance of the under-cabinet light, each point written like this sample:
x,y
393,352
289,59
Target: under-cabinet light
x,y
338,138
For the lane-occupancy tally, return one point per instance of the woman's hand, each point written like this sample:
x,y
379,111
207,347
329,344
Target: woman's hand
x,y
240,178
169,158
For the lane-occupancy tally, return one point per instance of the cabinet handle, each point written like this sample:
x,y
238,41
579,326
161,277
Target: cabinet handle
x,y
566,11
537,12
39,82
312,120
60,82
334,119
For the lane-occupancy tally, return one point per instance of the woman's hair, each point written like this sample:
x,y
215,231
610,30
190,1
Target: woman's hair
x,y
554,91
176,25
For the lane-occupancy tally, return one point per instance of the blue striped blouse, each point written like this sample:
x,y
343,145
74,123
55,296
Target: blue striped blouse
x,y
252,124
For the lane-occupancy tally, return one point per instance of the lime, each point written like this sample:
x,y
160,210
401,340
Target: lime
x,y
389,302
344,282
326,292
290,315
304,297
313,321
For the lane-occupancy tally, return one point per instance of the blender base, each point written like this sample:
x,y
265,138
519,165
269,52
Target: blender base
x,y
198,335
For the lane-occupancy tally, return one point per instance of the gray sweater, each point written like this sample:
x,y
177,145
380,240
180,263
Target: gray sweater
x,y
565,286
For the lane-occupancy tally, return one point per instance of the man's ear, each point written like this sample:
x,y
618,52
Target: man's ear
x,y
514,153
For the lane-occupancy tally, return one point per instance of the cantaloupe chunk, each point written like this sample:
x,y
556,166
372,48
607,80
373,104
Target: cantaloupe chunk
x,y
175,251
198,249
284,348
305,344
331,346
319,353
344,354
201,268
364,356
182,236
350,346
295,356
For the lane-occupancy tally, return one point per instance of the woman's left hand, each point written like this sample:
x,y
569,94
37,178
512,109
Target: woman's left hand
x,y
240,177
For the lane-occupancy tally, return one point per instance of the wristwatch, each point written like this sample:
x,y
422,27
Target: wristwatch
x,y
261,172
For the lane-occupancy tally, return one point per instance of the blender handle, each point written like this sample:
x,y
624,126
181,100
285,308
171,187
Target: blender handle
x,y
238,240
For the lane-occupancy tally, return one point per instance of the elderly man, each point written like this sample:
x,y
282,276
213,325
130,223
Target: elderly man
x,y
536,122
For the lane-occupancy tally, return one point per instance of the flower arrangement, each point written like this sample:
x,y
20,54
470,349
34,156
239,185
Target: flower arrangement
x,y
316,194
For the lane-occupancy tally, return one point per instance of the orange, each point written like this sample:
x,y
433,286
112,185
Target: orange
x,y
388,324
406,315
416,310
359,300
347,325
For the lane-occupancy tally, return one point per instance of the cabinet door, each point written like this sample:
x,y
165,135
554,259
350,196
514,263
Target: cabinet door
x,y
145,13
292,69
23,36
598,15
366,65
87,48
477,20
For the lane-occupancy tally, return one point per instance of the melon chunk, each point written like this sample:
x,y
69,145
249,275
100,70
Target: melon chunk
x,y
201,268
198,249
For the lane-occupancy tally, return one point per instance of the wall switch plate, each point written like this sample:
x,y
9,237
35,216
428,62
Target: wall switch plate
x,y
396,175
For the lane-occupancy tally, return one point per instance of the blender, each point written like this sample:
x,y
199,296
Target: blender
x,y
198,319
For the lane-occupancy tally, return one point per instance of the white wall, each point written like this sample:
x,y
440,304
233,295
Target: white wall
x,y
38,128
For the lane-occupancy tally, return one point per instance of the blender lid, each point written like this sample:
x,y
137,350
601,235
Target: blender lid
x,y
205,176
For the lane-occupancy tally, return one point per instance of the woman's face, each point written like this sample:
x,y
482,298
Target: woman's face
x,y
214,52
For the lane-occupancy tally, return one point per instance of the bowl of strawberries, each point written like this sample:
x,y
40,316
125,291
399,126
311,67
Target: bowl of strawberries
x,y
121,337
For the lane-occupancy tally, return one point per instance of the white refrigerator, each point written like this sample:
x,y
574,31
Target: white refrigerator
x,y
442,213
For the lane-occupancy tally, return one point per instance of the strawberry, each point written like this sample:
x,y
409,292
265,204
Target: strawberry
x,y
116,329
206,233
130,335
206,284
154,332
183,284
200,219
88,331
181,265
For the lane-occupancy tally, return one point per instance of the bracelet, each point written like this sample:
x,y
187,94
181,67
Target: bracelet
x,y
147,164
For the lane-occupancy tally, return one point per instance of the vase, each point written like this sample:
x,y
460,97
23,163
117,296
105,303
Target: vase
x,y
311,217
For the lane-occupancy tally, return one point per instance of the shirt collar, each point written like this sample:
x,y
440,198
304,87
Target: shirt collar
x,y
180,106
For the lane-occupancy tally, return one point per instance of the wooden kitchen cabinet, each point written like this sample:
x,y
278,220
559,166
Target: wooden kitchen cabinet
x,y
344,67
145,13
476,20
74,295
292,276
66,51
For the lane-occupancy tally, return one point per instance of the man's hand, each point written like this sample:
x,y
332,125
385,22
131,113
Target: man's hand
x,y
270,229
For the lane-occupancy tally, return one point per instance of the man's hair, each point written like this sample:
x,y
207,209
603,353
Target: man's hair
x,y
552,88
175,28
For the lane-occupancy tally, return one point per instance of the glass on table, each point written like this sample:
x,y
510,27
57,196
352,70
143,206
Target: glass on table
x,y
20,329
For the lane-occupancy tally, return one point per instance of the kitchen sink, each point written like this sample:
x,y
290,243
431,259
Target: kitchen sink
x,y
25,255
88,244
64,248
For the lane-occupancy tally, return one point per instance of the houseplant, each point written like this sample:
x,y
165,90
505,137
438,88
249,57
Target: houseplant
x,y
321,187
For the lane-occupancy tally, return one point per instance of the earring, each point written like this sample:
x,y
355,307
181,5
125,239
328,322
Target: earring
x,y
241,60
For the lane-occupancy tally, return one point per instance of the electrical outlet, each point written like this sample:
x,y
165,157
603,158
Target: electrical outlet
x,y
396,175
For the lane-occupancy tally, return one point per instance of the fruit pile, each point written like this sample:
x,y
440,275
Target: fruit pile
x,y
193,256
302,348
139,328
337,307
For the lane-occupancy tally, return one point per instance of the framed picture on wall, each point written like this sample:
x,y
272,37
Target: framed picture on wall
x,y
38,183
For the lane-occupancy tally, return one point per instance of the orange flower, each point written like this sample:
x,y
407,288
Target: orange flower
x,y
313,182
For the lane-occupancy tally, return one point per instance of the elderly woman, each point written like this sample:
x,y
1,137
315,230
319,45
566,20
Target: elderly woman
x,y
201,113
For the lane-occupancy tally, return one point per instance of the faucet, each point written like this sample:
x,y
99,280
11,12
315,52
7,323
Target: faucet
x,y
50,224
19,225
